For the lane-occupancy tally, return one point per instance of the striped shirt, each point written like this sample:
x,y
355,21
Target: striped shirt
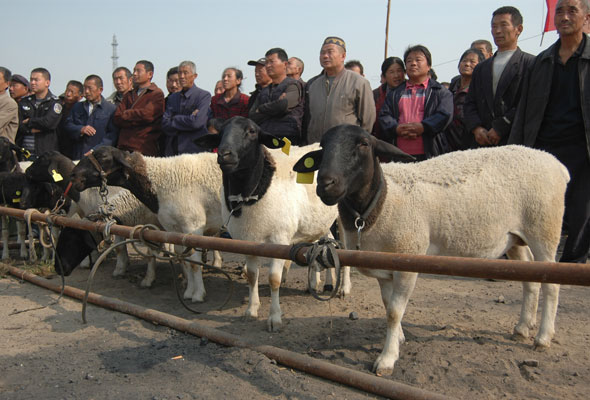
x,y
411,109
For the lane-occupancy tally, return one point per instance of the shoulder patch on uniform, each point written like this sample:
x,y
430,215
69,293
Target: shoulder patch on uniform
x,y
57,108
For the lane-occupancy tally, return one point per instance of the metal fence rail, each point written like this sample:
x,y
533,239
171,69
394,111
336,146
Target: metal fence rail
x,y
546,272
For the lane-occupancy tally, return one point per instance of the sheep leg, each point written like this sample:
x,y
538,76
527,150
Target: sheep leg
x,y
252,265
547,328
217,260
346,284
5,235
286,268
122,258
190,286
330,279
530,295
198,295
21,230
150,273
274,322
395,295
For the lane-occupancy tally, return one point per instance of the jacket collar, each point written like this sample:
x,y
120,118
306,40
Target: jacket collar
x,y
551,51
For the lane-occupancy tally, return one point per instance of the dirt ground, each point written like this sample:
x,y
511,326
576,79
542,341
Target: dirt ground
x,y
458,341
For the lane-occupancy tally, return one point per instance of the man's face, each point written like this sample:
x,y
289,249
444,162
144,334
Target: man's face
x,y
18,90
417,66
275,68
3,83
186,77
38,83
332,56
504,32
570,17
121,82
141,77
293,67
173,84
72,94
261,76
483,49
91,91
219,87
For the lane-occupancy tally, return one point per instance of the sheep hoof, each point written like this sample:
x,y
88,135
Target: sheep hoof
x,y
198,298
521,332
250,315
382,370
328,288
188,294
5,256
541,345
274,325
146,283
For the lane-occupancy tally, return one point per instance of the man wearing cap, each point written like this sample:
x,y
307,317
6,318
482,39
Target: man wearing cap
x,y
8,107
19,87
39,114
337,96
262,79
278,109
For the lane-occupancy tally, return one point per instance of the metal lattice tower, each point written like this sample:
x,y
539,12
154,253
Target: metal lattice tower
x,y
115,57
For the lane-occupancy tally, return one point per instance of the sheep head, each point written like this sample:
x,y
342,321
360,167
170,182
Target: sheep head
x,y
238,143
347,162
114,162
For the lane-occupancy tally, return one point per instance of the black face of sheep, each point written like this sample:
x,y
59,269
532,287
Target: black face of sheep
x,y
112,161
238,143
55,168
347,162
42,195
73,246
8,160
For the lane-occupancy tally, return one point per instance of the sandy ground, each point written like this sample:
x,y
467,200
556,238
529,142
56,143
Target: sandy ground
x,y
458,341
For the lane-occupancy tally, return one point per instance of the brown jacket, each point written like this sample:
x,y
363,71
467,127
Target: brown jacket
x,y
139,120
8,116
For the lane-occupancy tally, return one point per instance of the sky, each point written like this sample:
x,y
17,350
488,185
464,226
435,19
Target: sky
x,y
72,38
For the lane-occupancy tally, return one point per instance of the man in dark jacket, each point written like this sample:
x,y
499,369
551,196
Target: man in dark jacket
x,y
554,115
279,106
39,116
496,84
139,116
90,124
74,92
262,79
186,113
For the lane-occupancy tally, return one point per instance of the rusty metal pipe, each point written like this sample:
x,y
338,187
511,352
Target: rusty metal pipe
x,y
323,369
527,271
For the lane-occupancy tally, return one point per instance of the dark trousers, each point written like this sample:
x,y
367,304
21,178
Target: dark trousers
x,y
577,198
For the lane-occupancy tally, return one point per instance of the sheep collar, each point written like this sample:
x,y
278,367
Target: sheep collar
x,y
248,186
359,221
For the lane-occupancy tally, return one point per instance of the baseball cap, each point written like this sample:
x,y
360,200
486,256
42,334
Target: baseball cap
x,y
260,61
20,79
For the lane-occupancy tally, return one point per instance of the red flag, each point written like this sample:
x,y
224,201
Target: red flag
x,y
549,21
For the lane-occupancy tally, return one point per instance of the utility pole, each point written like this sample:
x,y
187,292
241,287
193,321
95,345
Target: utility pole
x,y
115,56
387,27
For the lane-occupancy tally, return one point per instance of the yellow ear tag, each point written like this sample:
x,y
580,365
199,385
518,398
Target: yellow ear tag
x,y
17,200
18,192
56,176
305,177
287,147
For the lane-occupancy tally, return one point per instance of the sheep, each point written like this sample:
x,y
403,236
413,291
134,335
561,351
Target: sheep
x,y
11,187
477,203
74,245
183,192
265,203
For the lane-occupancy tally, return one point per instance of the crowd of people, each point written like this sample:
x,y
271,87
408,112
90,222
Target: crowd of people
x,y
506,97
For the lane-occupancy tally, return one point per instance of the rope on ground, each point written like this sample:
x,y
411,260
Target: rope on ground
x,y
153,252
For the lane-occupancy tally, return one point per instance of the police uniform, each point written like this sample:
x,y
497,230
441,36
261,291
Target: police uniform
x,y
44,116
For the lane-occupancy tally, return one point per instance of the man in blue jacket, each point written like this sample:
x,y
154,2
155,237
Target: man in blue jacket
x,y
185,118
90,123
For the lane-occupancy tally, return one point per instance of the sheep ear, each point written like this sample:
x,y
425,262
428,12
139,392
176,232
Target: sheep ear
x,y
309,162
121,158
210,141
215,125
383,149
270,141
